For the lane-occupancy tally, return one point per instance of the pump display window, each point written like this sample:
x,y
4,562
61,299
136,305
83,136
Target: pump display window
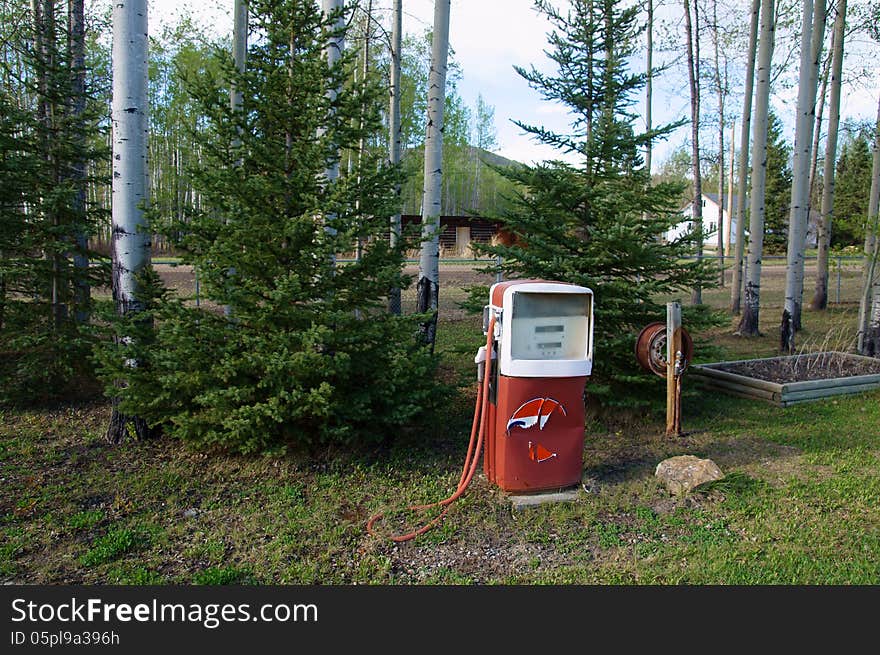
x,y
550,326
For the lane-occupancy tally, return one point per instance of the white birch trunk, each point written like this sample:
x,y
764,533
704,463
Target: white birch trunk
x,y
820,299
869,309
719,89
395,136
743,168
728,225
749,323
130,246
428,287
812,35
131,241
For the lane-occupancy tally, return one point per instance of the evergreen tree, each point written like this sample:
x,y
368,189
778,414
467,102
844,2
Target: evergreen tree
x,y
309,355
599,223
778,191
851,191
44,217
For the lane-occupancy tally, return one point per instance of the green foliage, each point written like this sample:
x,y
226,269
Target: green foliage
x,y
309,354
852,185
599,223
49,136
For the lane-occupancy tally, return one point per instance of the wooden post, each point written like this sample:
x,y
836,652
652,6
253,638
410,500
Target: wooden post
x,y
673,369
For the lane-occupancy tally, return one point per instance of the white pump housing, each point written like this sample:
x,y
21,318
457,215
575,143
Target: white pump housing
x,y
545,329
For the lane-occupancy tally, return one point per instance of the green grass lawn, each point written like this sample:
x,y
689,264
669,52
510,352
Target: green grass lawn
x,y
801,503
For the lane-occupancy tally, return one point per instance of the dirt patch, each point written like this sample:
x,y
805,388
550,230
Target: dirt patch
x,y
478,563
458,275
798,368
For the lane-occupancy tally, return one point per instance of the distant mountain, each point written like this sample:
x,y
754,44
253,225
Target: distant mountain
x,y
470,185
494,159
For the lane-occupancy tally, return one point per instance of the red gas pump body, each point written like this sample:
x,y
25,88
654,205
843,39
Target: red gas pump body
x,y
535,435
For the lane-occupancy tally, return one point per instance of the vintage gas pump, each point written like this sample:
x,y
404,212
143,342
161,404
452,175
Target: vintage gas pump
x,y
529,413
542,353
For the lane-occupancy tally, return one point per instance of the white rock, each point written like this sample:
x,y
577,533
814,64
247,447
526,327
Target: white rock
x,y
682,473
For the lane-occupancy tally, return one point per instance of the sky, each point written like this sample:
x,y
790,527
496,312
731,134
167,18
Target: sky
x,y
489,37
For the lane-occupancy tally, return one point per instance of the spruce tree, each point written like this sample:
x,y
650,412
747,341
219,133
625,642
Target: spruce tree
x,y
308,354
851,191
599,222
47,141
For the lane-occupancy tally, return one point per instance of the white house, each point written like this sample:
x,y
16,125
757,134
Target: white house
x,y
711,213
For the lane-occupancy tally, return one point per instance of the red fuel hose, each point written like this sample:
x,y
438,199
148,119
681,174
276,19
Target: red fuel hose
x,y
475,446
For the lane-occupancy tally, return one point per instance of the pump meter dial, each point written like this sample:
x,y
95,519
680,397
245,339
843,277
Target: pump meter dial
x,y
651,348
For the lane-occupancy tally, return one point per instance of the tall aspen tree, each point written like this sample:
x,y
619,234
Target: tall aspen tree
x,y
749,322
130,246
428,287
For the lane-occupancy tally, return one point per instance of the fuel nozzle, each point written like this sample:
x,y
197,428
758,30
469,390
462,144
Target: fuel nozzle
x,y
480,361
487,312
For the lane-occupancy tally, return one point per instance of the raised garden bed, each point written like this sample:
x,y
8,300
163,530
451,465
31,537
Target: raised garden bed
x,y
793,379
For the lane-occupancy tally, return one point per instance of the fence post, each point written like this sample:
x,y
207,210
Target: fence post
x,y
673,373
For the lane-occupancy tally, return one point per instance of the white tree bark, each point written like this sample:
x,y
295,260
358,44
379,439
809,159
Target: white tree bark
x,y
131,239
395,136
751,313
720,92
728,225
743,168
428,287
869,309
130,245
820,299
812,36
